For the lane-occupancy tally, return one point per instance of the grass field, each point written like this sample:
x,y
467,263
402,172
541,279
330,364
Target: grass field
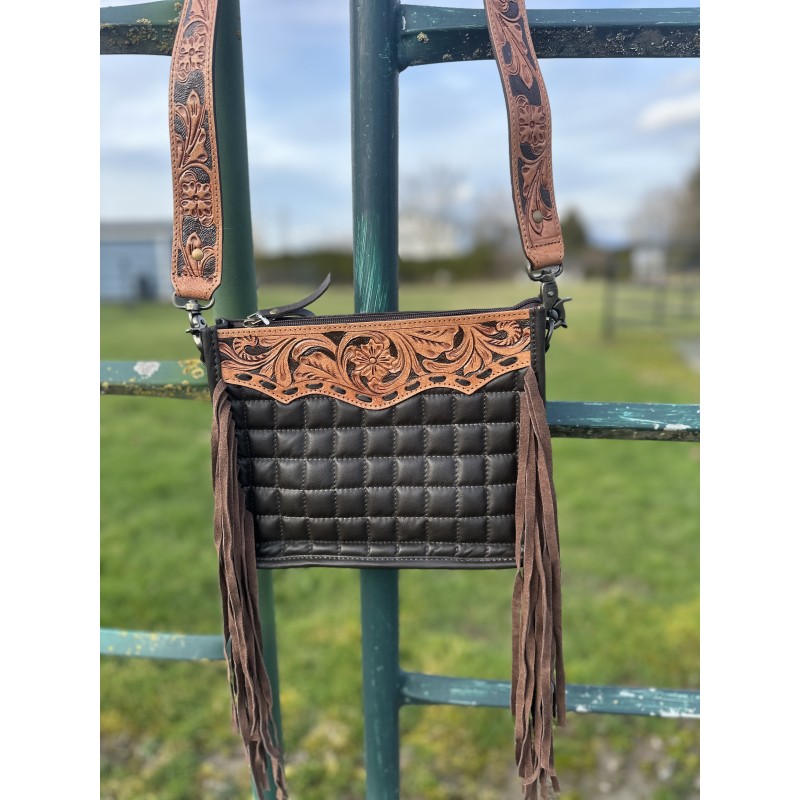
x,y
630,556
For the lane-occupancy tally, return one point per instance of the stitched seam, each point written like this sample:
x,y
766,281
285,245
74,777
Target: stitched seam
x,y
277,484
395,498
458,488
357,458
425,479
406,541
388,516
505,559
335,497
364,480
485,481
382,427
305,470
435,391
381,486
388,324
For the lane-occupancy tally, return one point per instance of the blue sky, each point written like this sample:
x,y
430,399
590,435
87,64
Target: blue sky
x,y
623,128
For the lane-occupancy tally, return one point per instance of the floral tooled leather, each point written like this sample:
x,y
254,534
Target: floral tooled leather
x,y
529,132
376,364
197,235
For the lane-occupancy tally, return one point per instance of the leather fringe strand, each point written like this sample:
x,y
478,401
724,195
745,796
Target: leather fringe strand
x,y
234,536
538,692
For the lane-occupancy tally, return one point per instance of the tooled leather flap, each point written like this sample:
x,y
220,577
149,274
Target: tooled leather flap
x,y
376,363
197,202
530,132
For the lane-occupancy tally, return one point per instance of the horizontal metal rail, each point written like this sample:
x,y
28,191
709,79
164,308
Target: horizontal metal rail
x,y
146,29
169,646
661,421
431,34
184,379
419,689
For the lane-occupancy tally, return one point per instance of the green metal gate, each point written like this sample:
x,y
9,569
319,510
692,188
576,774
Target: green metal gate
x,y
410,35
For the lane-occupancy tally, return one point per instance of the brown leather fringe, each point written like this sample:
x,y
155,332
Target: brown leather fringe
x,y
234,536
538,692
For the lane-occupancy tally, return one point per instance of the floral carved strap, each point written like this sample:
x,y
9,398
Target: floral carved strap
x,y
530,132
197,204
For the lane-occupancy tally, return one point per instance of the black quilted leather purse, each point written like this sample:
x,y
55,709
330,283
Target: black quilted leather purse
x,y
393,440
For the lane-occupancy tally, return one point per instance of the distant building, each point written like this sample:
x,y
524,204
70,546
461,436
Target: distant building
x,y
135,259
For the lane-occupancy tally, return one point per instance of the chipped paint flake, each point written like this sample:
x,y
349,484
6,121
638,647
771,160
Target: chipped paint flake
x,y
146,368
671,712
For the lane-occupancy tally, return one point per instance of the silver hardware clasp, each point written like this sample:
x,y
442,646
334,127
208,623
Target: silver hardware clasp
x,y
195,312
553,304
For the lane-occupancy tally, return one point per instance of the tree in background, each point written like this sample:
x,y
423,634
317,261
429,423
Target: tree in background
x,y
686,224
576,240
669,219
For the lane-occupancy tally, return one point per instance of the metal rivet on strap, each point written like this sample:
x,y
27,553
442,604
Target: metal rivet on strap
x,y
197,254
537,216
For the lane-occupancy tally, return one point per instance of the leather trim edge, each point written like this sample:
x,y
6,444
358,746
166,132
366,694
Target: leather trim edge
x,y
376,364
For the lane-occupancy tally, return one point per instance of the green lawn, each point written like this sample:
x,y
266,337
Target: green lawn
x,y
630,555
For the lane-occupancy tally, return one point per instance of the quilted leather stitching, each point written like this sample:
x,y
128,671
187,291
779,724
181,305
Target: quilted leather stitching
x,y
322,515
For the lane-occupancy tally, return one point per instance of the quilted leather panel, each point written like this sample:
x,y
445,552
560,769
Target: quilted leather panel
x,y
429,482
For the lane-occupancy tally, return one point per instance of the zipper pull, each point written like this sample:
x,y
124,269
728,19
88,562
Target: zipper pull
x,y
266,316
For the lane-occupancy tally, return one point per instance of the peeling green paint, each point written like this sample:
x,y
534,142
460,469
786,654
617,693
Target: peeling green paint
x,y
145,29
419,689
430,35
164,646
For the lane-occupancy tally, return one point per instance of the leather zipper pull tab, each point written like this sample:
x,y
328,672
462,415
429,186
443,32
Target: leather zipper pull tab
x,y
265,316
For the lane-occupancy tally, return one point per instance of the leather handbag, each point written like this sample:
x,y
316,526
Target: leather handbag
x,y
410,440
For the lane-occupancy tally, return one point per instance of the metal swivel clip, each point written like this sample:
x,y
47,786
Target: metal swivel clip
x,y
195,312
553,304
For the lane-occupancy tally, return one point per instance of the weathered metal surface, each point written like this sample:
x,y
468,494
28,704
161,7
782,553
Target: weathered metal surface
x,y
147,29
430,35
662,421
169,646
236,296
374,113
419,689
185,379
374,119
380,667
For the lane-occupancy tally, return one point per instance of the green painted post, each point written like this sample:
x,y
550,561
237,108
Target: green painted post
x,y
374,113
236,297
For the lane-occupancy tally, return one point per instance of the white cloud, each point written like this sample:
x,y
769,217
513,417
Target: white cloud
x,y
670,113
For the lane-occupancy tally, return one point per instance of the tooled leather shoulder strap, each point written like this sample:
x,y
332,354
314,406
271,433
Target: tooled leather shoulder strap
x,y
530,132
197,202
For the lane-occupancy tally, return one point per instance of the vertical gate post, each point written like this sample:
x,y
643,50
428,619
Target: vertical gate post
x,y
374,116
236,297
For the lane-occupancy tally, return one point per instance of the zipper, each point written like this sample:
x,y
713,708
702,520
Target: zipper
x,y
340,319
